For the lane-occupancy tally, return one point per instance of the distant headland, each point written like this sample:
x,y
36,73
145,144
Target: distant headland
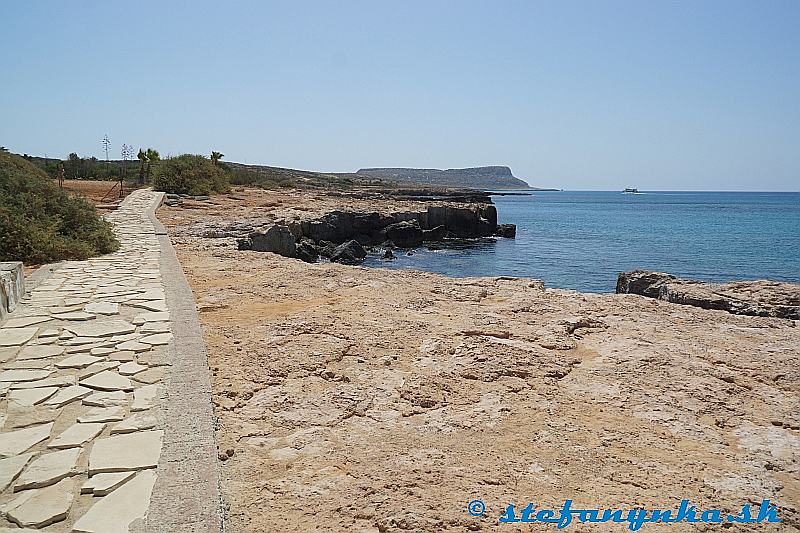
x,y
492,177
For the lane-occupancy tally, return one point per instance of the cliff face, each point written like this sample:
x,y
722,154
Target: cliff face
x,y
494,177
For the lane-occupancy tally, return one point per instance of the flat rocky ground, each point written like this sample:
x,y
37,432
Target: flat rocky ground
x,y
355,399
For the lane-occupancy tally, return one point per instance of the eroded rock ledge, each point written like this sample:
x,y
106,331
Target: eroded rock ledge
x,y
755,298
342,235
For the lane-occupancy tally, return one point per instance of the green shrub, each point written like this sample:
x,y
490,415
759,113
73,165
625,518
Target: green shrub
x,y
190,174
264,178
40,223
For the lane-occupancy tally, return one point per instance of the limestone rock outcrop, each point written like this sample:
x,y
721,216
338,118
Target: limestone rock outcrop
x,y
348,253
406,234
277,239
402,229
754,298
306,251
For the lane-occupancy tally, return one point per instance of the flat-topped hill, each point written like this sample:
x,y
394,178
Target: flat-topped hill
x,y
493,177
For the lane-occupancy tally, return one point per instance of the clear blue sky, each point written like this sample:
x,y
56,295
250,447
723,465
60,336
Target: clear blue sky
x,y
580,95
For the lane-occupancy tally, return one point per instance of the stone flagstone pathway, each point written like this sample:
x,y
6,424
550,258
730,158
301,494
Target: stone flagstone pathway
x,y
82,370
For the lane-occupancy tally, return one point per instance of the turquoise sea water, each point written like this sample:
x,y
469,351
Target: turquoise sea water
x,y
582,240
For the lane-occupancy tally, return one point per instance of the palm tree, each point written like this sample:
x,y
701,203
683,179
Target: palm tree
x,y
152,157
216,156
142,155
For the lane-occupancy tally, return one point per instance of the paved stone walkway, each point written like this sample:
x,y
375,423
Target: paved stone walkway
x,y
84,369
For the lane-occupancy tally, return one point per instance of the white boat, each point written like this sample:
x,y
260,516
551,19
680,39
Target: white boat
x,y
631,190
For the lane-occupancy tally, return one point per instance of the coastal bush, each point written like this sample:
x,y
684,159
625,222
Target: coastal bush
x,y
41,223
275,177
265,179
190,174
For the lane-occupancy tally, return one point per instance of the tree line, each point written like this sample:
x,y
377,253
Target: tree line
x,y
75,167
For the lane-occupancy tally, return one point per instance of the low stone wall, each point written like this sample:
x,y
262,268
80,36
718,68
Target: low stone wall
x,y
12,286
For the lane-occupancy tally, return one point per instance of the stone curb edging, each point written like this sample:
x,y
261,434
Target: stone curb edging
x,y
39,276
186,496
12,286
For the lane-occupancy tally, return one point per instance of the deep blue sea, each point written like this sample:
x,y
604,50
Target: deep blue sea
x,y
582,240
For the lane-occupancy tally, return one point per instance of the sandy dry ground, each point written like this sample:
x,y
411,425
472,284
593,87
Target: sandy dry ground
x,y
96,190
354,399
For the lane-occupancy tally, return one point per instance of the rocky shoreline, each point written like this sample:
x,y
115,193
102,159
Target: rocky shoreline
x,y
344,225
382,400
342,236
